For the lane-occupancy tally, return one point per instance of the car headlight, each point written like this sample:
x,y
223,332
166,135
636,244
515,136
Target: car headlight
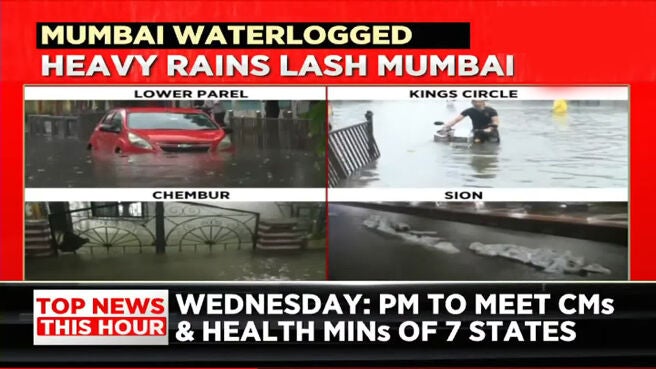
x,y
138,141
225,143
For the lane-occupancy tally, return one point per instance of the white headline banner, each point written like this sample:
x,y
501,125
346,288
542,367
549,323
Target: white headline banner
x,y
334,195
182,92
176,194
175,92
485,92
468,194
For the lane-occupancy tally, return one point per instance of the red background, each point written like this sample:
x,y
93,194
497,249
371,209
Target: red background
x,y
554,42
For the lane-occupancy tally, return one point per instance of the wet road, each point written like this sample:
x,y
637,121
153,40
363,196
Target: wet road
x,y
588,147
61,163
357,253
228,265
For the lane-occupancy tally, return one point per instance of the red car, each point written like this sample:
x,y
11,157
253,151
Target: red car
x,y
152,130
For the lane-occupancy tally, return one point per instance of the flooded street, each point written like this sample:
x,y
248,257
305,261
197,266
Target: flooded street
x,y
65,163
358,253
587,147
227,265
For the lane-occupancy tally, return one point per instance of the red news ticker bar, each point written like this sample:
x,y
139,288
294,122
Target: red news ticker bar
x,y
111,326
368,367
446,367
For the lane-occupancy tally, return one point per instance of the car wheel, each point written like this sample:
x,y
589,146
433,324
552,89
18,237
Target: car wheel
x,y
117,150
89,147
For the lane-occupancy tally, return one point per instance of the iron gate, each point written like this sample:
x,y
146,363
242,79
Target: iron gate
x,y
109,229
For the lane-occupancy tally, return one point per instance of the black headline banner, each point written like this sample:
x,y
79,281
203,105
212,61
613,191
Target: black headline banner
x,y
252,35
612,322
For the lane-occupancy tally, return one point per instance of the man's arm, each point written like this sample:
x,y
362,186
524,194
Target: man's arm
x,y
453,121
494,125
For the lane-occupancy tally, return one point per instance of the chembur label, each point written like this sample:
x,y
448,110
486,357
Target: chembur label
x,y
385,317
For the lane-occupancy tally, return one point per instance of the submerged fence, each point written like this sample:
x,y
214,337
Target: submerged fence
x,y
350,149
77,127
273,133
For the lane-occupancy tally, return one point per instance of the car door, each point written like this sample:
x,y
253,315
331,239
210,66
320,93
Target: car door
x,y
114,131
101,135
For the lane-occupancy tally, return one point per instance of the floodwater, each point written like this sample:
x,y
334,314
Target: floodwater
x,y
587,147
357,253
225,265
65,163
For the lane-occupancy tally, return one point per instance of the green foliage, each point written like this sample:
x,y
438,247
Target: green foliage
x,y
319,216
317,117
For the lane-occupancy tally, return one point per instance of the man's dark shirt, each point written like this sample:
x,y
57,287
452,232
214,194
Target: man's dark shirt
x,y
481,119
272,109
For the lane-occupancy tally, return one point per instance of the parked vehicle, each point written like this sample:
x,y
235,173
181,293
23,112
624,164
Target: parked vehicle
x,y
158,129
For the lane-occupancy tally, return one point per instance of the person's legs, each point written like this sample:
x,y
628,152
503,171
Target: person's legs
x,y
218,118
494,136
221,118
479,136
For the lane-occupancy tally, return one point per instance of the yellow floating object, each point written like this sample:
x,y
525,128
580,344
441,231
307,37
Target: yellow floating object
x,y
560,118
559,106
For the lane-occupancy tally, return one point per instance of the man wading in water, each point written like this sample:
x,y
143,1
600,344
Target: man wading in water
x,y
218,111
485,122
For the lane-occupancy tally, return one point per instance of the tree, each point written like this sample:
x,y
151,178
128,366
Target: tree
x,y
317,117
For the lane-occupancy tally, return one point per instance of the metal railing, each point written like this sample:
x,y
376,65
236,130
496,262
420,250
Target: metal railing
x,y
272,133
350,149
187,227
52,125
206,227
77,127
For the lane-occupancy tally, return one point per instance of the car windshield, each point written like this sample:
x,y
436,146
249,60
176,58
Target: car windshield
x,y
170,120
